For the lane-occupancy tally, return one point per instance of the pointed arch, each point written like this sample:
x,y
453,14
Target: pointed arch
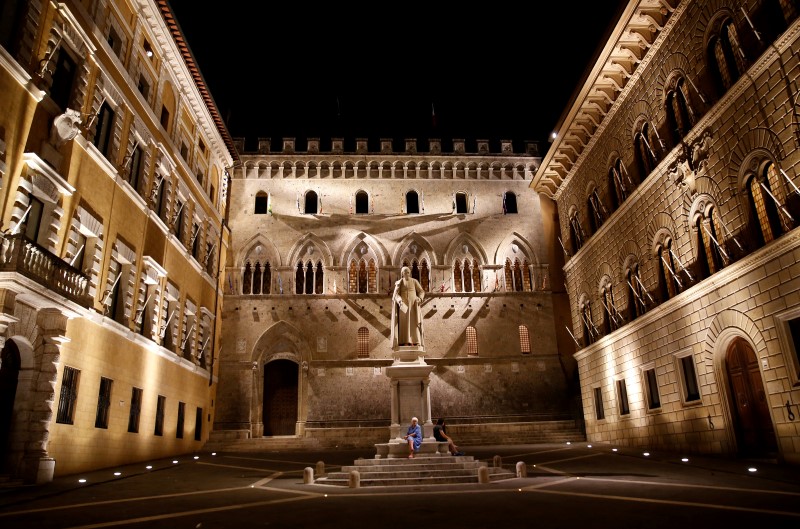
x,y
315,245
455,250
249,250
416,246
505,249
375,249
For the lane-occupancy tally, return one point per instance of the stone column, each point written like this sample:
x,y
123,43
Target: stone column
x,y
38,466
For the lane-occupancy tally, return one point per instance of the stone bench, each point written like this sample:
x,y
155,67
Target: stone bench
x,y
398,448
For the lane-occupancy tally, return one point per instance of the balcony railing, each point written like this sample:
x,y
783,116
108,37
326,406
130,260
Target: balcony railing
x,y
21,255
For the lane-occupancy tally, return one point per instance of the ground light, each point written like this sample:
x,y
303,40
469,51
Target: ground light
x,y
82,480
117,473
175,462
197,457
685,459
752,469
646,454
149,467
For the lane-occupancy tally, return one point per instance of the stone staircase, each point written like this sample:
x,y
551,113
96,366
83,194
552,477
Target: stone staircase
x,y
435,469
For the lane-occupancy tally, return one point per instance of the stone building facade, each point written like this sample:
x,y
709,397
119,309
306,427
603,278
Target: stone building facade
x,y
318,241
675,171
112,195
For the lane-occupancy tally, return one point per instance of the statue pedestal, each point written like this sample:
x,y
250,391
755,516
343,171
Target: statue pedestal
x,y
411,397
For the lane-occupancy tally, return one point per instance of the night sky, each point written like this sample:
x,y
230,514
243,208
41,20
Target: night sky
x,y
491,71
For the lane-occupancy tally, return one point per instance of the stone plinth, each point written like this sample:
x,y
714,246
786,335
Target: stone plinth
x,y
411,397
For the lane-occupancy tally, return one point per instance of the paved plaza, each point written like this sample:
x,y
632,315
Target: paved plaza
x,y
566,485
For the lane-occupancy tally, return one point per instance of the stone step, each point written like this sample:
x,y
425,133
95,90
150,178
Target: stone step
x,y
419,471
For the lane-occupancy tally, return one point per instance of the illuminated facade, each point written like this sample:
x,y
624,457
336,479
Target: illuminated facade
x,y
675,174
112,189
320,237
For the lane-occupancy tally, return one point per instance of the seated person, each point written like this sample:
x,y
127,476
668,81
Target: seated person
x,y
414,437
440,435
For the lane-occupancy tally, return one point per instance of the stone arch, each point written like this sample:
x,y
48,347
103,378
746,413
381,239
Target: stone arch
x,y
455,250
249,250
374,249
504,249
752,144
604,274
720,333
313,244
404,247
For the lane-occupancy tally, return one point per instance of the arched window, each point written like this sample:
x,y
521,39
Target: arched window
x,y
466,276
646,146
260,206
710,254
461,203
618,181
412,202
247,279
362,276
256,278
524,340
590,332
472,341
726,57
457,276
509,203
636,293
669,282
518,275
363,342
476,276
424,276
597,211
611,318
362,203
680,114
311,203
308,278
768,217
576,233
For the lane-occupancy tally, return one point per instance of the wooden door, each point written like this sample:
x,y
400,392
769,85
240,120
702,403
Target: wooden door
x,y
280,398
753,423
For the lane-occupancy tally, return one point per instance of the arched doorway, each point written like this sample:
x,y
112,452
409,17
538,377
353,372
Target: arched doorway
x,y
9,375
280,397
755,435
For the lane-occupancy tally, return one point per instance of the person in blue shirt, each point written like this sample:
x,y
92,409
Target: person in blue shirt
x,y
414,437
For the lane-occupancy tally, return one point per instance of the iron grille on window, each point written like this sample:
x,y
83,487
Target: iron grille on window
x,y
103,403
136,410
162,401
69,394
181,415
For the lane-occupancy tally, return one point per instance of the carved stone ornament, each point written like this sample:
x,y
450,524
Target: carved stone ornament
x,y
65,127
683,176
700,151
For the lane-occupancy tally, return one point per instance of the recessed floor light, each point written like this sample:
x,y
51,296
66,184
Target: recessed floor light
x,y
646,454
82,480
685,459
148,467
117,473
197,457
752,469
175,461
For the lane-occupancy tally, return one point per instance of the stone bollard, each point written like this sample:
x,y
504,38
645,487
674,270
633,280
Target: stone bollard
x,y
320,468
355,479
308,476
497,461
483,474
522,469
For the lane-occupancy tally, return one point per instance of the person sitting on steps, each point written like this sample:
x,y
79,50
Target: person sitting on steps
x,y
440,435
413,437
